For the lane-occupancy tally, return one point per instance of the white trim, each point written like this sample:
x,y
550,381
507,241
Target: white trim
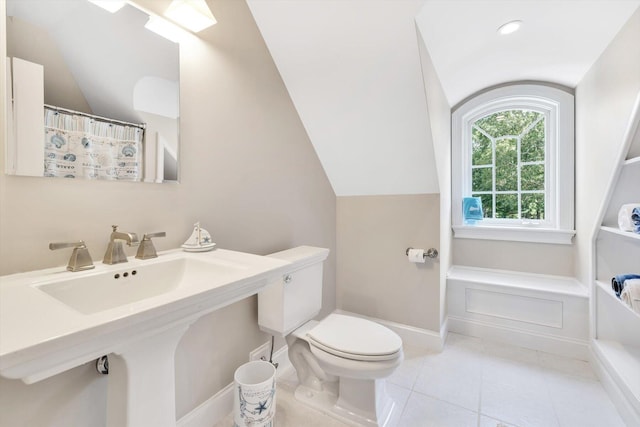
x,y
558,107
610,381
220,405
563,346
416,337
518,280
517,234
625,234
211,411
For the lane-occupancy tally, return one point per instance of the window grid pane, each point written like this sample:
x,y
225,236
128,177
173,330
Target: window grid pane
x,y
518,178
481,147
534,142
481,178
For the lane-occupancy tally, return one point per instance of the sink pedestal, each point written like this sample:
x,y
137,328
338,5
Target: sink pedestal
x,y
141,386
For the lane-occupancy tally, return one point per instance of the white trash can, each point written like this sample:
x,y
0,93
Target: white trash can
x,y
254,403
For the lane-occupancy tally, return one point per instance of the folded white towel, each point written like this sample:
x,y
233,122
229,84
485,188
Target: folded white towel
x,y
631,294
624,216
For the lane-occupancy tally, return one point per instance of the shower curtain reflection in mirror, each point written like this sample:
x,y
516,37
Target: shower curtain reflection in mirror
x,y
79,146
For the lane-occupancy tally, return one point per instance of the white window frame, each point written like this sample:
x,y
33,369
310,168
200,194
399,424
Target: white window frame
x,y
558,107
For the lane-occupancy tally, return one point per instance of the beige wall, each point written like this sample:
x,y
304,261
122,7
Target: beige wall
x,y
518,256
249,174
374,277
604,102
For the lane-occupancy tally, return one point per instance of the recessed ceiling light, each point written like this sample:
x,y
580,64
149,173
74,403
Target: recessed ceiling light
x,y
510,27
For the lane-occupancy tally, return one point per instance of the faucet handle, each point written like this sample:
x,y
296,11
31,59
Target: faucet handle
x,y
62,245
146,249
156,234
80,257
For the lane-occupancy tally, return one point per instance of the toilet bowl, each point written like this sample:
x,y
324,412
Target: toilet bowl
x,y
341,361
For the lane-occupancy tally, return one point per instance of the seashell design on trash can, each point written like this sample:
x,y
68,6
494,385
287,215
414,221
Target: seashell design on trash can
x,y
257,407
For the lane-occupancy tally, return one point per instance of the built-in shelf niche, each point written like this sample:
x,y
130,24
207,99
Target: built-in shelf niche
x,y
627,190
634,149
616,343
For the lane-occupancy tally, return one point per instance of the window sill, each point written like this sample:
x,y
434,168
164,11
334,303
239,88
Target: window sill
x,y
515,234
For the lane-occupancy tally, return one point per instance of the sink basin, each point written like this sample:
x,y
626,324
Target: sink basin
x,y
53,320
124,284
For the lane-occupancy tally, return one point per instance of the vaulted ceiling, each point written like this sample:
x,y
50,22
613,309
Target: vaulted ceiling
x,y
352,68
353,72
558,42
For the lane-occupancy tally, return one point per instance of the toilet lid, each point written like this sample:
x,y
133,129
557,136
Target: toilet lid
x,y
355,338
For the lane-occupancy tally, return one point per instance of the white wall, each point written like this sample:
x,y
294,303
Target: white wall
x,y
604,102
439,131
353,71
34,44
249,174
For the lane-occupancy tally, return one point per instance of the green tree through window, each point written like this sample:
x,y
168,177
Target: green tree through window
x,y
508,164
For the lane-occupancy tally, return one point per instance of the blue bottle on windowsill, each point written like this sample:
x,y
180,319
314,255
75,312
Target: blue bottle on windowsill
x,y
471,210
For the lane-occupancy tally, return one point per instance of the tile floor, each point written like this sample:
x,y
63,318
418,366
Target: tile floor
x,y
477,383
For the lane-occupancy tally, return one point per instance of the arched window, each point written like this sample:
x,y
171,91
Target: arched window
x,y
513,149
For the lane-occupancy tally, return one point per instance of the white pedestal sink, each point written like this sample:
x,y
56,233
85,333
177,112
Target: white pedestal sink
x,y
141,388
136,312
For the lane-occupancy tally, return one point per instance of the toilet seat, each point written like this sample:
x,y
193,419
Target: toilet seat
x,y
355,338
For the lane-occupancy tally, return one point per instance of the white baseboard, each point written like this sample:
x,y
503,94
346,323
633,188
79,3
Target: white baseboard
x,y
220,405
602,368
563,346
416,337
211,411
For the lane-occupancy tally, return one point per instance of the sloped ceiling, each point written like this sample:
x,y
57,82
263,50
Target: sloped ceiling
x,y
352,69
353,72
107,65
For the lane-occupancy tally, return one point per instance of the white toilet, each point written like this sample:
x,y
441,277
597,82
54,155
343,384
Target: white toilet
x,y
341,361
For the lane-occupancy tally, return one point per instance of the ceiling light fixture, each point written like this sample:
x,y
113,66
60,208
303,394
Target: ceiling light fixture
x,y
166,29
191,14
111,5
510,27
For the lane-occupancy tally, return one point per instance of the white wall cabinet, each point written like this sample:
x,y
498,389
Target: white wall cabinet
x,y
616,327
25,147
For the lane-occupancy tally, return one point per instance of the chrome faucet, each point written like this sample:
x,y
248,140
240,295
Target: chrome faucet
x,y
146,249
80,258
115,252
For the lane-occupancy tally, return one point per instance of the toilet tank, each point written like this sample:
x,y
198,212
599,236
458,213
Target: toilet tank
x,y
296,297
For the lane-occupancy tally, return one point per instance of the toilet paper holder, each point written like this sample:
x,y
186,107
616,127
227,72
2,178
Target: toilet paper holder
x,y
430,253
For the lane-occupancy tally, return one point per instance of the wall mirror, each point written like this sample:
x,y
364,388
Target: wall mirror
x,y
93,76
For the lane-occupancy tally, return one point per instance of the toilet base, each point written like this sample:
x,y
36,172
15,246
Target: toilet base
x,y
355,402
